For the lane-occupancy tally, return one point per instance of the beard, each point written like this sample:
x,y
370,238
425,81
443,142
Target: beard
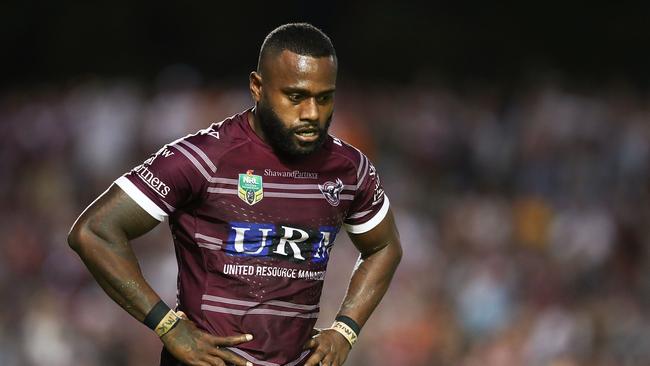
x,y
283,140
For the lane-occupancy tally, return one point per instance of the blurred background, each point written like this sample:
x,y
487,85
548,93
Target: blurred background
x,y
512,139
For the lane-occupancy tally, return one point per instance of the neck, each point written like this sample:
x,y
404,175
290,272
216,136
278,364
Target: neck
x,y
255,124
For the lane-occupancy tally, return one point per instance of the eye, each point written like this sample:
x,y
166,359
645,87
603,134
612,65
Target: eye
x,y
322,99
295,97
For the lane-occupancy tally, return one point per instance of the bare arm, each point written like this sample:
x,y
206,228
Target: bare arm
x,y
381,252
101,237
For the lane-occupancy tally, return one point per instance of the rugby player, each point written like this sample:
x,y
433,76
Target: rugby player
x,y
254,205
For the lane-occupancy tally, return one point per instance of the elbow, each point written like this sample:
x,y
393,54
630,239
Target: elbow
x,y
77,234
398,253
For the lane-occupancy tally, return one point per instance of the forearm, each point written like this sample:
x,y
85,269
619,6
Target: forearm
x,y
114,266
369,282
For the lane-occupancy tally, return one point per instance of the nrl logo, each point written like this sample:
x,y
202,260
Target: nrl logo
x,y
332,191
249,188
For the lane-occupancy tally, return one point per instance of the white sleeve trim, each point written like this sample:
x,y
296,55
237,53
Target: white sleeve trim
x,y
141,199
370,224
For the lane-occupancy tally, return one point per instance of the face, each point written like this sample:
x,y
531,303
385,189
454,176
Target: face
x,y
295,102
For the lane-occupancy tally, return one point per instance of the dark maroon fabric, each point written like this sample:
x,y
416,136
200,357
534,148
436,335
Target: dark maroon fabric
x,y
256,266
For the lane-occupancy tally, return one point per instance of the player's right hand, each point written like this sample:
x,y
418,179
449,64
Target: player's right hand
x,y
193,347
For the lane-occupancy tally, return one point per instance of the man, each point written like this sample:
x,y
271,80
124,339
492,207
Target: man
x,y
254,205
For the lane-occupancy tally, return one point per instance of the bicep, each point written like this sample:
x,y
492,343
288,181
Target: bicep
x,y
116,213
383,235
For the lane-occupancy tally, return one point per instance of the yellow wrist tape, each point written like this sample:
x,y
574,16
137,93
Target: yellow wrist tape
x,y
346,331
167,323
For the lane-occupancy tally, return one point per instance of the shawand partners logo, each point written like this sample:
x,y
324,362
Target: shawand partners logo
x,y
295,174
250,188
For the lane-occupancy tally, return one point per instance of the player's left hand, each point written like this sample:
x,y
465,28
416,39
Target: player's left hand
x,y
329,347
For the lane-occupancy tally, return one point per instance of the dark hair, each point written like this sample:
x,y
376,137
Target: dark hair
x,y
300,38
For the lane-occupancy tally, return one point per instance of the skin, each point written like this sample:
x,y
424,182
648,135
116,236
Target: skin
x,y
101,237
299,89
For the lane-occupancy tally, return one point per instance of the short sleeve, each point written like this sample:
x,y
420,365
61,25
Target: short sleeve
x,y
370,204
169,179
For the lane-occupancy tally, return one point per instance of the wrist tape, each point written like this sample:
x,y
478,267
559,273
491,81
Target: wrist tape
x,y
348,328
161,319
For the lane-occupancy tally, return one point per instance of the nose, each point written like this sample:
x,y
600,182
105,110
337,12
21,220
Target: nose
x,y
309,110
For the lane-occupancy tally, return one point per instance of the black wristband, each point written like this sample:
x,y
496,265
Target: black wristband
x,y
350,323
156,314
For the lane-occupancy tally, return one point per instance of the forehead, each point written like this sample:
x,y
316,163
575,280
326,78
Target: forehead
x,y
288,69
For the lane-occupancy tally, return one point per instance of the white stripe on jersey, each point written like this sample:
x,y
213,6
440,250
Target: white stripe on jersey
x,y
209,239
359,215
194,161
289,314
140,198
344,197
201,154
230,181
267,363
370,224
285,304
365,170
362,160
208,246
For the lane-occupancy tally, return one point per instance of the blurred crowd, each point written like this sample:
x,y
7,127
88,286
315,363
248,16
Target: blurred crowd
x,y
523,214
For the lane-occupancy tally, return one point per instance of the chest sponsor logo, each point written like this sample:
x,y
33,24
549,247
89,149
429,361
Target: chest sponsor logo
x,y
295,174
280,241
250,188
332,191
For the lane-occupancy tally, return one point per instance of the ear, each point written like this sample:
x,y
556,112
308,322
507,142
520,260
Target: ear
x,y
255,85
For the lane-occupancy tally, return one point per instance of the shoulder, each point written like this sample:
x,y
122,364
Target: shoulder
x,y
346,151
212,142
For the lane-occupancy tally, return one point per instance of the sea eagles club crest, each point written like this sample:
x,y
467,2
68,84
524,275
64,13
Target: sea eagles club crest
x,y
249,188
332,191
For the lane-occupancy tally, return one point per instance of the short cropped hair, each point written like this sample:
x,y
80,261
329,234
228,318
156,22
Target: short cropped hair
x,y
300,38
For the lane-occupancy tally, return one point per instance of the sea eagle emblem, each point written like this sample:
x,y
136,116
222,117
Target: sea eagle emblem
x,y
332,191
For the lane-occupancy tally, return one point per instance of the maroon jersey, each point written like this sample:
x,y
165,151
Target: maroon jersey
x,y
252,233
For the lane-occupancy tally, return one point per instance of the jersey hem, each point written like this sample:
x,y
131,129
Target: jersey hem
x,y
140,198
372,223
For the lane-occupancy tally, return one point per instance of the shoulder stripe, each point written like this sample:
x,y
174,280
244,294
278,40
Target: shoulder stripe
x,y
169,207
365,171
201,154
370,224
362,160
140,198
194,161
359,214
